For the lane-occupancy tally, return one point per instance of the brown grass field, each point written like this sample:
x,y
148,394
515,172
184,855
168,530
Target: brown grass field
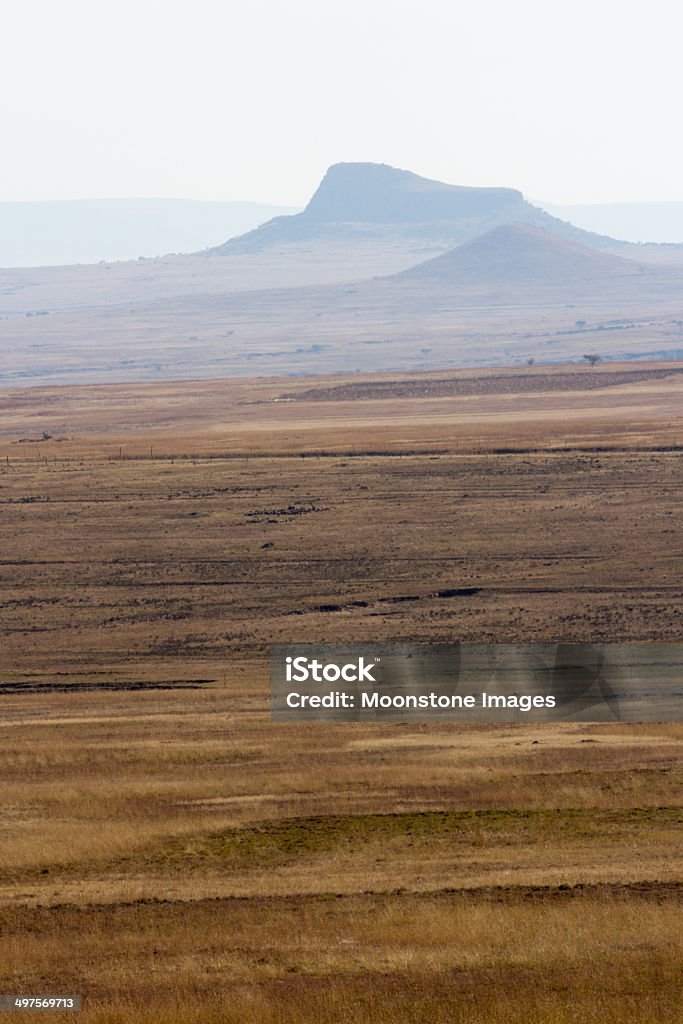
x,y
172,855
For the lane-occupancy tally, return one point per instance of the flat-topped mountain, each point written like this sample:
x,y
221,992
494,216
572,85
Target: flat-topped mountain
x,y
377,193
374,203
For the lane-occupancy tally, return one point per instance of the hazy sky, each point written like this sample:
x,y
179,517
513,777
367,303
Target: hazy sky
x,y
570,101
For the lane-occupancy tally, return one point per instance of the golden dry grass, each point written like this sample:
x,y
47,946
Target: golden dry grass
x,y
141,794
174,855
582,956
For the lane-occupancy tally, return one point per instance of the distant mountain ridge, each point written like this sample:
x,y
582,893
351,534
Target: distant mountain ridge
x,y
66,232
658,222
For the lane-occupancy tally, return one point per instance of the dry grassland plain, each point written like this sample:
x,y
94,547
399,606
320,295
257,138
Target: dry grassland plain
x,y
174,856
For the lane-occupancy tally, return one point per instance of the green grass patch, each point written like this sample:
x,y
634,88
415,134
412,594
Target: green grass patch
x,y
283,842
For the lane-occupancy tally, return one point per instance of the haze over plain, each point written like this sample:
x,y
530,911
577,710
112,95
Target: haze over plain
x,y
383,270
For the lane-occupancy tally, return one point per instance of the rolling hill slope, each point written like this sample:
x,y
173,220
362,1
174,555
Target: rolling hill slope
x,y
523,257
